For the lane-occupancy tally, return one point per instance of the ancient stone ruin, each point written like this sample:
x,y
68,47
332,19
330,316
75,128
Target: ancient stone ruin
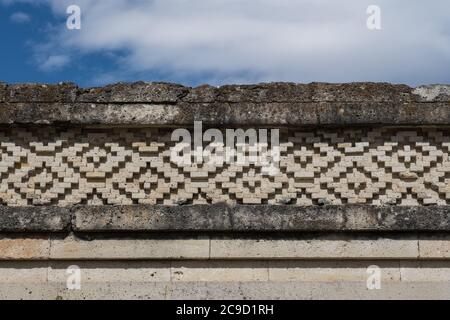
x,y
88,184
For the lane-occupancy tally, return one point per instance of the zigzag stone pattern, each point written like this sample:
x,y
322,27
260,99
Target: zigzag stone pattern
x,y
51,166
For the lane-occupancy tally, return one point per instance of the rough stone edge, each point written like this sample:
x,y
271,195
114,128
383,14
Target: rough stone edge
x,y
225,218
160,92
268,104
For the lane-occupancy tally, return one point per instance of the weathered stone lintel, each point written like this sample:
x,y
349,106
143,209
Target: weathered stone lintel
x,y
143,103
224,218
295,114
160,92
261,218
34,219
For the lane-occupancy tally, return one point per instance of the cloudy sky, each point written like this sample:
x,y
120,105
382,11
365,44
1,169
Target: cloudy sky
x,y
225,41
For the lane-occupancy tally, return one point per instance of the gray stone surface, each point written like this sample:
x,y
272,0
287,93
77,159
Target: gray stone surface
x,y
134,92
259,290
34,219
127,246
151,217
63,92
257,218
263,104
227,114
246,280
222,217
160,92
315,246
432,93
135,247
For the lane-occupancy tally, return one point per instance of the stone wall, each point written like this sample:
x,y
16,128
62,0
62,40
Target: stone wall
x,y
87,180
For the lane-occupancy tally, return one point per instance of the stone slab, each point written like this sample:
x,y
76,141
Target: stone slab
x,y
272,114
223,271
332,271
21,247
317,247
123,248
160,92
124,272
226,218
260,218
434,246
269,104
34,219
258,290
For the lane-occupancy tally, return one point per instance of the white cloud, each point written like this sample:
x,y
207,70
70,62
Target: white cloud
x,y
20,17
54,62
221,41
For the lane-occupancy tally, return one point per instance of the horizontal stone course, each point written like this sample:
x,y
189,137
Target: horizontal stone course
x,y
160,92
200,290
143,103
104,247
310,246
28,272
220,279
298,114
224,218
260,218
321,247
336,270
73,248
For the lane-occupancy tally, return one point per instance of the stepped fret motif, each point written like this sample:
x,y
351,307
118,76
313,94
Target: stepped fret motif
x,y
377,166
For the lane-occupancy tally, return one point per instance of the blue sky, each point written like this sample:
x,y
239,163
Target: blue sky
x,y
225,41
21,39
